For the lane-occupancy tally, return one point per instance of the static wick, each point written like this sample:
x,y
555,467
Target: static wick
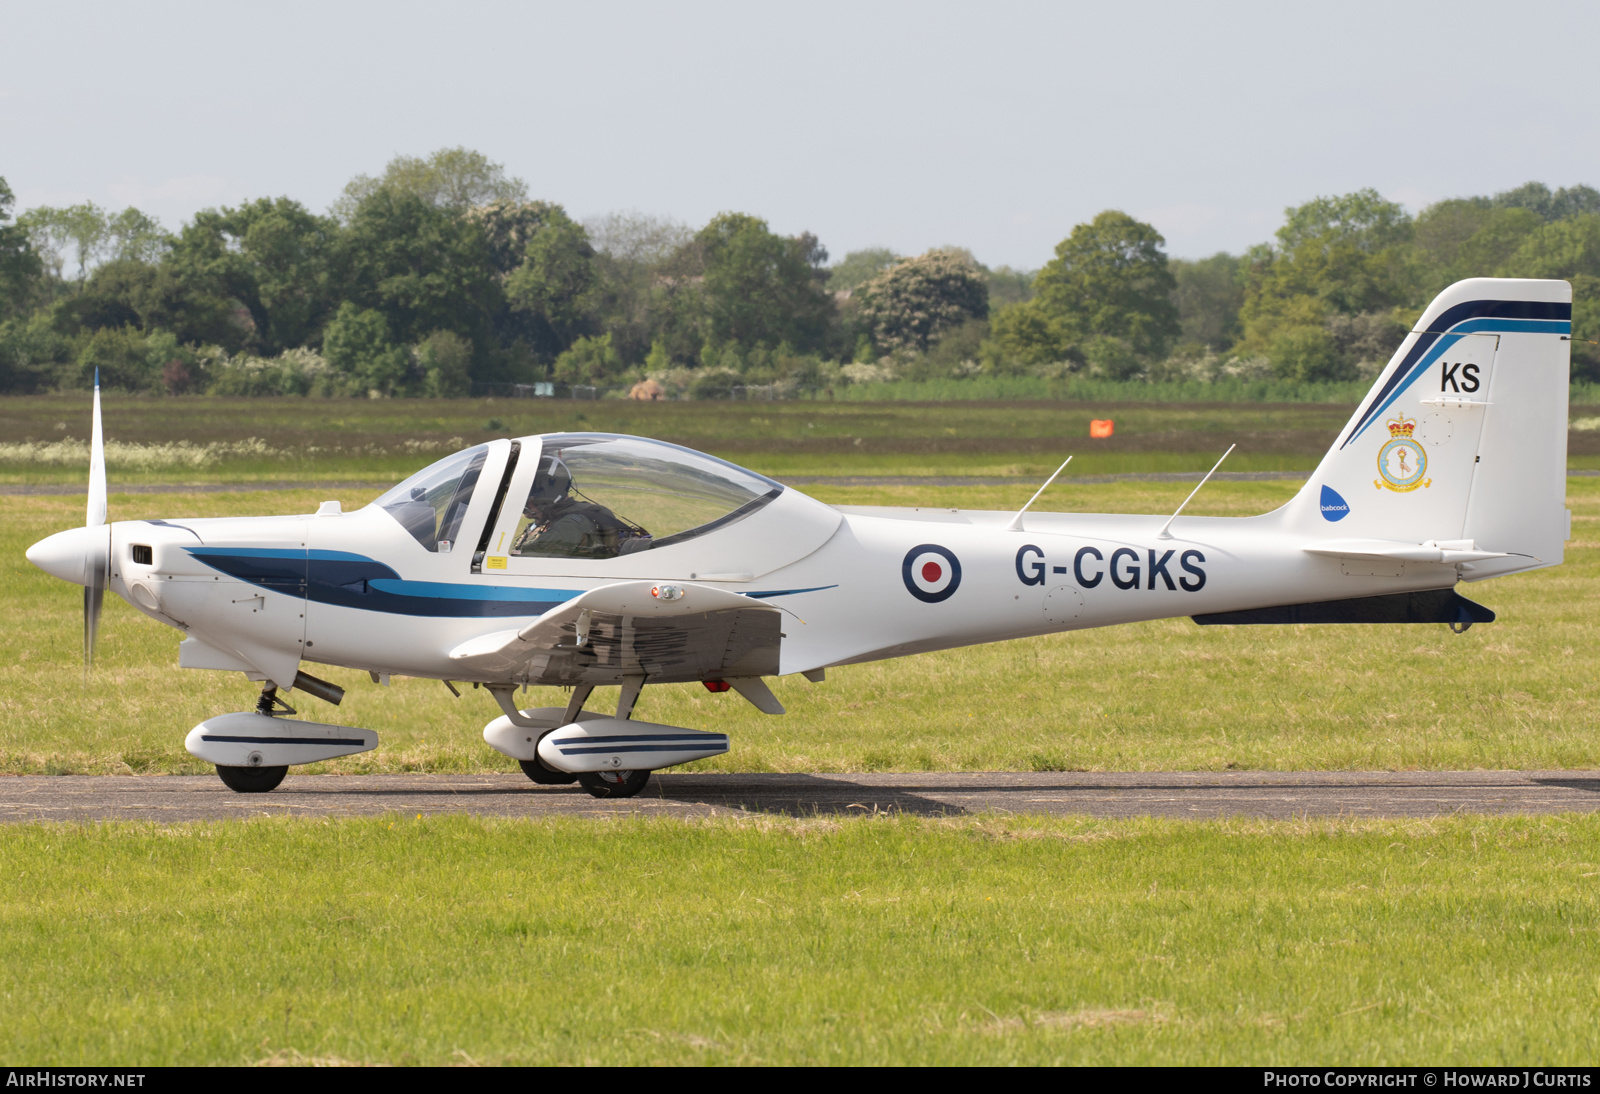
x,y
1164,534
1016,521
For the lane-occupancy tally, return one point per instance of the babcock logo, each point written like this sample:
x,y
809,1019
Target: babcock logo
x,y
931,573
1333,506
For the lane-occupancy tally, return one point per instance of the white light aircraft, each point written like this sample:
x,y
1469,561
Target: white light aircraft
x,y
581,560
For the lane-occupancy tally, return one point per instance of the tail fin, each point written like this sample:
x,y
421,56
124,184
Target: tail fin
x,y
1463,438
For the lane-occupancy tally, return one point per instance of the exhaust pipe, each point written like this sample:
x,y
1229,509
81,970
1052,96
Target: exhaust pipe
x,y
328,693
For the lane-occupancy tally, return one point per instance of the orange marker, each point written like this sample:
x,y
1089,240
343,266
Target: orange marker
x,y
1100,427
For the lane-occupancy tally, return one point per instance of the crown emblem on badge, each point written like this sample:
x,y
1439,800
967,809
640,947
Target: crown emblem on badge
x,y
1402,426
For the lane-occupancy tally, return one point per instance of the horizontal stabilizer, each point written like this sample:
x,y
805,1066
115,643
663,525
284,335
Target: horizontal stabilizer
x,y
1448,551
1433,606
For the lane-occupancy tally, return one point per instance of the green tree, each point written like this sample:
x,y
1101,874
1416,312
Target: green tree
x,y
1009,286
92,236
1208,295
1307,353
859,267
424,268
912,304
121,359
648,274
445,360
1344,255
1024,336
762,289
32,353
557,279
1538,198
1110,278
1561,250
76,230
359,348
20,266
264,276
589,360
451,178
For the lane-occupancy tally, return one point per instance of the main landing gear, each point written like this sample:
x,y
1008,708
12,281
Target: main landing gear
x,y
257,779
613,784
600,784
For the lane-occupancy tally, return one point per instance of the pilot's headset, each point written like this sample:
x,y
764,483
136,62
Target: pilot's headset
x,y
550,483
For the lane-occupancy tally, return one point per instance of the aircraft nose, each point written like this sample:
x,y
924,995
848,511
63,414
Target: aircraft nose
x,y
67,554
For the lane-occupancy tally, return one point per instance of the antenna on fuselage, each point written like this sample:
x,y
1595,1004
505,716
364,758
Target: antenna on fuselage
x,y
1016,521
1164,534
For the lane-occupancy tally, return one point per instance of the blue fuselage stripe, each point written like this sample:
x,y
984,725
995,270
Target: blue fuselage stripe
x,y
342,579
345,580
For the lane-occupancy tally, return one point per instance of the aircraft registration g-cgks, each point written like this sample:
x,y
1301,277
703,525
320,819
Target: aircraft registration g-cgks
x,y
579,560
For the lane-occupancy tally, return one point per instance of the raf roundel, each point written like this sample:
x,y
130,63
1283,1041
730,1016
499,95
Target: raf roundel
x,y
931,573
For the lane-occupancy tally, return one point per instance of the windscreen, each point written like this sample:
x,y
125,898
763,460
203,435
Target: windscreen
x,y
600,496
432,503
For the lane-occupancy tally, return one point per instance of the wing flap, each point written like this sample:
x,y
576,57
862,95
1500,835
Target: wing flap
x,y
668,632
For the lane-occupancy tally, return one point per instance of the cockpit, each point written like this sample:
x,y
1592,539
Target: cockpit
x,y
591,496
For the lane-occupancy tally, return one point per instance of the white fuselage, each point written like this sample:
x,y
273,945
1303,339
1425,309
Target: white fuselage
x,y
847,598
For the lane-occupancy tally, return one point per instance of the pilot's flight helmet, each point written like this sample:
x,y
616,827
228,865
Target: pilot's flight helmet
x,y
551,482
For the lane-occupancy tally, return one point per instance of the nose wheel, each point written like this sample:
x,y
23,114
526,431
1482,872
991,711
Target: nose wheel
x,y
613,784
251,780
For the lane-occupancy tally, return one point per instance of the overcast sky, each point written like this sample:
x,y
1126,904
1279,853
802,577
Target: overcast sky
x,y
994,126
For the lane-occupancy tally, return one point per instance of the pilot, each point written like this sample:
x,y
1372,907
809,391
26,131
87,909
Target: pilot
x,y
561,526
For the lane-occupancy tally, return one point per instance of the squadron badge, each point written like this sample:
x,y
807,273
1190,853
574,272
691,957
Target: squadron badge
x,y
1402,462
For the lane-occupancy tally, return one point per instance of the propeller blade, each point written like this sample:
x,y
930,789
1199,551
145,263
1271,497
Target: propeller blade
x,y
93,600
97,465
97,564
97,576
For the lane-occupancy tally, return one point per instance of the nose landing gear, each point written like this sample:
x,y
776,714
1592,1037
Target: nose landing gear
x,y
257,779
251,780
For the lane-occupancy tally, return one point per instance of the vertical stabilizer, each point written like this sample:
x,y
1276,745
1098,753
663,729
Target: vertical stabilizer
x,y
1463,438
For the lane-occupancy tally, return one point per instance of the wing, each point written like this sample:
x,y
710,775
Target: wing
x,y
625,629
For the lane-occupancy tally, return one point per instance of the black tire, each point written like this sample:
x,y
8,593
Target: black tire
x,y
544,776
614,784
251,780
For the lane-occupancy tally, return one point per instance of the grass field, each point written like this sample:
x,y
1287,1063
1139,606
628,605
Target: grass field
x,y
204,440
244,440
455,940
1518,693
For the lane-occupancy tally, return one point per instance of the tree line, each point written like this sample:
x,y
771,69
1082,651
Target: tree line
x,y
442,273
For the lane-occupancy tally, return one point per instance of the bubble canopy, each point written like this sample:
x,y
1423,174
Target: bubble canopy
x,y
593,495
432,503
599,495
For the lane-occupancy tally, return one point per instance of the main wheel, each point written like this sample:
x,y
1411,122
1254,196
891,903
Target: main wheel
x,y
251,780
545,776
614,784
